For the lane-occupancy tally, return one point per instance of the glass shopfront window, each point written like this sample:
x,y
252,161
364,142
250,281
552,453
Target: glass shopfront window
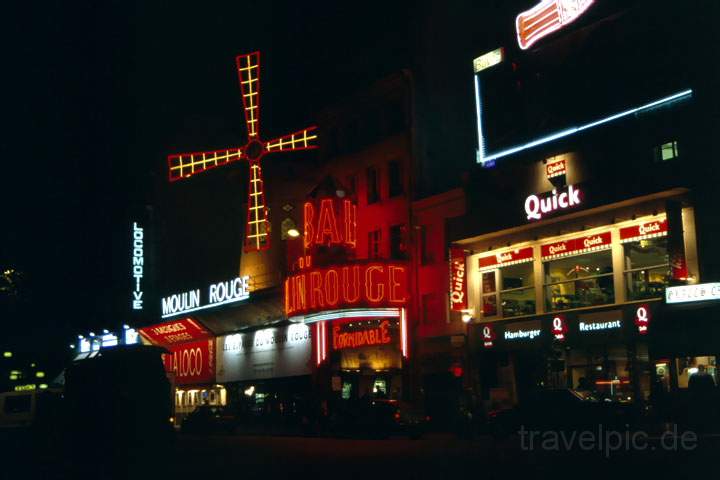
x,y
516,295
580,281
647,268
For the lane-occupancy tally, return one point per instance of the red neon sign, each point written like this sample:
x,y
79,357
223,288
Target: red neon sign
x,y
546,17
559,327
330,221
180,166
371,284
192,363
361,338
488,335
510,257
657,228
458,280
642,318
574,246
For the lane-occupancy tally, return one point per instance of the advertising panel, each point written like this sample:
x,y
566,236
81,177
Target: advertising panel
x,y
268,353
192,363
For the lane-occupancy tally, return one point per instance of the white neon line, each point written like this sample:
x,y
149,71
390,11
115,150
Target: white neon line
x,y
478,113
336,314
211,305
572,130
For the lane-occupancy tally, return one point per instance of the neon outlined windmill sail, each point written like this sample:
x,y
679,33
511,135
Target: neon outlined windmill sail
x,y
185,165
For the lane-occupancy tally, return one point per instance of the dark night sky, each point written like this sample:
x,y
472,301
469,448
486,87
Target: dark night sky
x,y
98,93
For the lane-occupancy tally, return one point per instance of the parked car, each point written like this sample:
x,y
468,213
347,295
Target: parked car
x,y
562,410
379,418
210,419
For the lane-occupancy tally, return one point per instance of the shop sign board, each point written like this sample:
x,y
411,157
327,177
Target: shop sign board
x,y
547,17
267,353
458,280
655,228
220,293
537,206
520,331
575,246
138,265
600,322
699,292
642,318
503,259
559,327
344,336
488,335
192,362
175,331
375,284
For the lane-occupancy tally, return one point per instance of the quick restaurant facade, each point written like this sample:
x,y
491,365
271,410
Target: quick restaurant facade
x,y
593,207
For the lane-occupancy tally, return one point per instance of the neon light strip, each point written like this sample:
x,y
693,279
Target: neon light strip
x,y
478,112
211,305
570,131
577,252
644,237
505,264
403,332
347,313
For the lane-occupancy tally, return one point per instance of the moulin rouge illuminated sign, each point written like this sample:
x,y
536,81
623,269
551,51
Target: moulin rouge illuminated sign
x,y
330,221
361,338
536,206
458,280
220,293
547,17
371,284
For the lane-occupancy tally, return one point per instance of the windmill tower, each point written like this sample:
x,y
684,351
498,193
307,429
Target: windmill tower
x,y
185,165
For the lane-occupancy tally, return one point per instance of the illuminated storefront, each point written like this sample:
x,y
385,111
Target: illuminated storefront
x,y
356,308
190,365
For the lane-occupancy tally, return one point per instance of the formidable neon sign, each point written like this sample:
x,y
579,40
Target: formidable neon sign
x,y
547,17
257,231
361,338
371,284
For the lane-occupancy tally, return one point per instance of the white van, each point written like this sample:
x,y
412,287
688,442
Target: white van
x,y
19,409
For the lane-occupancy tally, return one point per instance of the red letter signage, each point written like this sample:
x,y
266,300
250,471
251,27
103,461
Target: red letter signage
x,y
458,280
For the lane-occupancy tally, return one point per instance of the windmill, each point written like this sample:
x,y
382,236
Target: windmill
x,y
185,165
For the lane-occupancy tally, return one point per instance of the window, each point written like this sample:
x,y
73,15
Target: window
x,y
352,184
373,190
489,294
398,246
581,281
516,293
647,268
517,296
666,151
395,178
374,244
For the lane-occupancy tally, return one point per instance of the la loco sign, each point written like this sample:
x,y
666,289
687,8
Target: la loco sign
x,y
192,362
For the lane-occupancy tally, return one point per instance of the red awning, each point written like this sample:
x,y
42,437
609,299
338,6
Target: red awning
x,y
176,331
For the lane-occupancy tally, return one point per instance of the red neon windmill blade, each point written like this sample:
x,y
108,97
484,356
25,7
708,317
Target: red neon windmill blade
x,y
257,232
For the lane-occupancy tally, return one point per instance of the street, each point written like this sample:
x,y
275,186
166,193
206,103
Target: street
x,y
433,456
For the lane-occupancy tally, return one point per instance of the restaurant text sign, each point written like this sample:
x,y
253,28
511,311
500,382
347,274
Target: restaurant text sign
x,y
692,293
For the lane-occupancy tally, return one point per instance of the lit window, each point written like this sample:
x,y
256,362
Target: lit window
x,y
516,295
647,268
666,151
579,281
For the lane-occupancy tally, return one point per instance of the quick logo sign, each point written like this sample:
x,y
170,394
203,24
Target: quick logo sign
x,y
547,17
536,206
